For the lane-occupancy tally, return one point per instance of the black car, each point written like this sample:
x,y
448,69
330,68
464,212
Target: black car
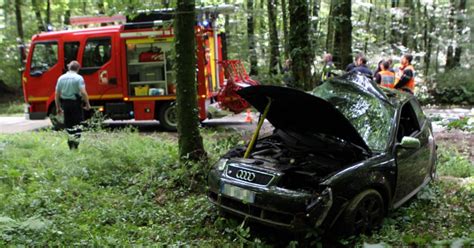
x,y
339,157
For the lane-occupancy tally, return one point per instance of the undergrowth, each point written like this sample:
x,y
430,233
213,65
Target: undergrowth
x,y
123,188
11,108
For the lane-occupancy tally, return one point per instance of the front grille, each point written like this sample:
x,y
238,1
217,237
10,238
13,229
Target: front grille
x,y
256,212
248,175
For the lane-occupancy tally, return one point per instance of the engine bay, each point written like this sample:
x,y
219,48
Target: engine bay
x,y
303,159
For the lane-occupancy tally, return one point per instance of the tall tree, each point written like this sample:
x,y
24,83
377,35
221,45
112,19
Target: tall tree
x,y
19,21
48,12
190,140
394,25
275,64
284,18
315,22
251,38
225,39
39,19
460,27
101,8
342,45
367,27
407,12
427,37
262,29
451,26
299,44
330,32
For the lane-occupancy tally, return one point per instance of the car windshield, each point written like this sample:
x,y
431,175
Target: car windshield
x,y
371,116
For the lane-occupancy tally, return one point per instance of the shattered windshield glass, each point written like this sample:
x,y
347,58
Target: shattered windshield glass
x,y
369,115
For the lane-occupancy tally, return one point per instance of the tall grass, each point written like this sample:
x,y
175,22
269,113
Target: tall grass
x,y
118,188
11,108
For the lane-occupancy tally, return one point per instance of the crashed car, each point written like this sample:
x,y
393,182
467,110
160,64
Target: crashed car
x,y
339,157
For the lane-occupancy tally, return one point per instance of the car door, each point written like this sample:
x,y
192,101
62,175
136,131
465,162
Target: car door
x,y
99,67
43,71
412,163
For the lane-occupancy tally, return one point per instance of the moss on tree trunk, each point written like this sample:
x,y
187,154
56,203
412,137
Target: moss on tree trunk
x,y
190,140
300,48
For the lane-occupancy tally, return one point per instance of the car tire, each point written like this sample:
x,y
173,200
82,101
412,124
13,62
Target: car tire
x,y
168,116
364,213
56,120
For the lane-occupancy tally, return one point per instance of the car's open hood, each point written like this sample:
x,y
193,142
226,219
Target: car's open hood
x,y
297,111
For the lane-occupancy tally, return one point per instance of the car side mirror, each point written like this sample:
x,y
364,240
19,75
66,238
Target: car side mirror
x,y
410,142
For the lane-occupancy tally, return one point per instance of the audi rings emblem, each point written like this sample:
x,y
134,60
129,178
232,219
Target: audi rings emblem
x,y
245,175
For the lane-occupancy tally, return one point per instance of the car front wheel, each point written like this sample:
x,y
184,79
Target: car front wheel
x,y
364,213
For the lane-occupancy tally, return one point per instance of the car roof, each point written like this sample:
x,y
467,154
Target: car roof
x,y
397,97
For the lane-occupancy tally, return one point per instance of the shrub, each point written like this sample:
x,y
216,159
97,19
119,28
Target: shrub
x,y
454,87
451,163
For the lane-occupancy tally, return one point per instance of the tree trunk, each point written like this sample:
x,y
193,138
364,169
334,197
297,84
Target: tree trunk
x,y
450,50
460,27
251,38
367,27
437,59
299,44
342,46
190,140
429,23
417,22
407,12
48,12
39,19
19,21
101,7
285,29
384,21
275,64
67,17
315,24
262,29
395,33
225,41
330,33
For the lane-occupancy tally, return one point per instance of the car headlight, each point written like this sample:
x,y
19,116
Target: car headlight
x,y
220,165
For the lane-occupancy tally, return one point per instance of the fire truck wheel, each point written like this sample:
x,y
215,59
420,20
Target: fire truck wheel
x,y
168,116
56,120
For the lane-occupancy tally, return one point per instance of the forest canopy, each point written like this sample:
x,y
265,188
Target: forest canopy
x,y
265,33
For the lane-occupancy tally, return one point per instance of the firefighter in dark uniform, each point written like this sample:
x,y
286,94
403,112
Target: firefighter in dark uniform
x,y
70,93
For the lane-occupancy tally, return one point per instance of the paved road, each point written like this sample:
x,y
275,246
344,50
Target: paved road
x,y
16,124
238,121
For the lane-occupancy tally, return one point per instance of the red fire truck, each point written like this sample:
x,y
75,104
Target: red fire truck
x,y
127,69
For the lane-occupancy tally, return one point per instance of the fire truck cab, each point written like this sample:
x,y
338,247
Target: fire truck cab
x,y
128,70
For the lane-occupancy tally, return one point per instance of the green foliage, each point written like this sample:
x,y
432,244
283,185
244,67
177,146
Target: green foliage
x,y
11,108
440,217
451,163
119,188
465,124
454,87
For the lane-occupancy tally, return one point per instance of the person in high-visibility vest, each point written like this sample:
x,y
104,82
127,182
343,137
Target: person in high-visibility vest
x,y
385,77
405,76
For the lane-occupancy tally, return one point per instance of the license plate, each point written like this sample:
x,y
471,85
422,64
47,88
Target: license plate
x,y
245,195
